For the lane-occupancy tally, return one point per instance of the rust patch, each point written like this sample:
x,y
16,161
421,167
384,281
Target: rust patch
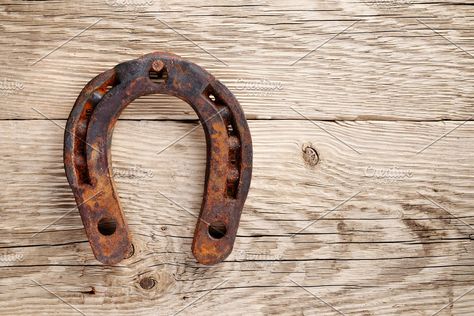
x,y
87,152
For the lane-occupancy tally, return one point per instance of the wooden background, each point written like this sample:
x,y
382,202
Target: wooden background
x,y
382,224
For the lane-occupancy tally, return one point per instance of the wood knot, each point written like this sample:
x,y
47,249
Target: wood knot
x,y
310,155
147,283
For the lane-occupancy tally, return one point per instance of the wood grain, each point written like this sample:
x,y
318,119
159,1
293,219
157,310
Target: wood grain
x,y
388,66
389,250
365,210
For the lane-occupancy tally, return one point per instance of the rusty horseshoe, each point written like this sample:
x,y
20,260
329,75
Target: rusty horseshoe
x,y
87,154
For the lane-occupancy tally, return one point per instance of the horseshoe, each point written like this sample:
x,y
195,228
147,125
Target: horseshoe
x,y
87,155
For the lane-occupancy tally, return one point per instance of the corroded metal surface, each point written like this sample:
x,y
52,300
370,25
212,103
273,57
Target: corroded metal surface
x,y
87,151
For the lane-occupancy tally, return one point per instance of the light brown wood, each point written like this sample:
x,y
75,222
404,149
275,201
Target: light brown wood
x,y
388,250
388,66
367,210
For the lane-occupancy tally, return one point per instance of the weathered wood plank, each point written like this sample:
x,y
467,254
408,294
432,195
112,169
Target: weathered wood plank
x,y
381,225
388,66
388,250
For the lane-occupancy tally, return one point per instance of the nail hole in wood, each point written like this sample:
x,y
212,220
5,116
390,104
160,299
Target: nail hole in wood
x,y
107,226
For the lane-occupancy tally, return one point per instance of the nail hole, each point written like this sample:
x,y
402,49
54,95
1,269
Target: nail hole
x,y
147,283
89,111
217,230
91,291
231,191
107,226
158,77
233,157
